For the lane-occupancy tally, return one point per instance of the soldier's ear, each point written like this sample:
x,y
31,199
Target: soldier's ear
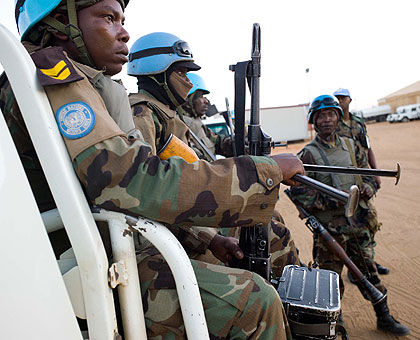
x,y
64,20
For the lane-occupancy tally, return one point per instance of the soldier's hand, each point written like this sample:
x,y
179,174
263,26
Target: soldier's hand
x,y
290,165
366,191
378,181
225,248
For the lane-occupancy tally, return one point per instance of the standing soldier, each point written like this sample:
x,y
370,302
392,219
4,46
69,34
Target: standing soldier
x,y
353,127
77,46
157,120
354,235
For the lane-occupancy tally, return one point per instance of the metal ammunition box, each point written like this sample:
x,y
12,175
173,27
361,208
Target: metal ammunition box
x,y
311,299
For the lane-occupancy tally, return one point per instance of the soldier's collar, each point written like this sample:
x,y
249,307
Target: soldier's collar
x,y
30,47
90,72
326,144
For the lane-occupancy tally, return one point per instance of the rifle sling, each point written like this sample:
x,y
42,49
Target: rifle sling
x,y
353,160
210,157
325,159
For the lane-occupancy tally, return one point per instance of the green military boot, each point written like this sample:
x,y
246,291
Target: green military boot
x,y
386,321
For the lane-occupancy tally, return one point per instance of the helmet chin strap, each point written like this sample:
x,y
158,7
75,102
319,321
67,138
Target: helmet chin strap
x,y
166,88
73,31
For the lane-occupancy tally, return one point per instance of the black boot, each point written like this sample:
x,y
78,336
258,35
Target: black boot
x,y
386,321
381,269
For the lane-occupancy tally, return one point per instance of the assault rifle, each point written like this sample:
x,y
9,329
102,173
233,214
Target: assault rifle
x,y
254,241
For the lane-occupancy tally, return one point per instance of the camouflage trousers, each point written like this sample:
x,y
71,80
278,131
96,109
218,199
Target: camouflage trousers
x,y
282,246
358,243
238,304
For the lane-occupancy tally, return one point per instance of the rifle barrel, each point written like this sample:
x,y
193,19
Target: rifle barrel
x,y
355,171
333,192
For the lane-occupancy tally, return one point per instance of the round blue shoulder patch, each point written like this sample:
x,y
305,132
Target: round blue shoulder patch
x,y
75,120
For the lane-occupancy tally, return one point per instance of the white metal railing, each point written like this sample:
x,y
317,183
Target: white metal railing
x,y
122,228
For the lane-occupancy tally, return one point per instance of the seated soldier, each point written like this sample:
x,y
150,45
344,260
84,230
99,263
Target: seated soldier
x,y
193,111
154,115
119,172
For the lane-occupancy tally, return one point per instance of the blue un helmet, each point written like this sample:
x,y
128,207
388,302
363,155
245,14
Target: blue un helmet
x,y
198,83
28,13
154,53
342,92
323,102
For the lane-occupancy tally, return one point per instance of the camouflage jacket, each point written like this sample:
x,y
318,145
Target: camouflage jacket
x,y
217,144
121,174
157,122
356,130
322,205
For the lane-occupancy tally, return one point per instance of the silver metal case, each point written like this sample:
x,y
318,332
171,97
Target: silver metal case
x,y
311,299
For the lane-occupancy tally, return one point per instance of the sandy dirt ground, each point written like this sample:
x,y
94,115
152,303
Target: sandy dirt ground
x,y
398,241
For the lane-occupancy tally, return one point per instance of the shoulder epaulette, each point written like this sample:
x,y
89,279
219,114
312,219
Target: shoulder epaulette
x,y
53,67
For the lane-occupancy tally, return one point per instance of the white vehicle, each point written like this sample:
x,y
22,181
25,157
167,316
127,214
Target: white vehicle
x,y
406,113
40,296
284,123
377,113
392,117
217,124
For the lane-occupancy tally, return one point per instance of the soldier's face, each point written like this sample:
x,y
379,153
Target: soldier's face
x,y
201,104
326,121
344,102
104,35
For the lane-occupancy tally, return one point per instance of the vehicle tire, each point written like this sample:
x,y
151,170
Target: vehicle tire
x,y
405,120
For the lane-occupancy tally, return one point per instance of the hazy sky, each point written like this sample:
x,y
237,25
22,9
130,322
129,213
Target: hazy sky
x,y
368,46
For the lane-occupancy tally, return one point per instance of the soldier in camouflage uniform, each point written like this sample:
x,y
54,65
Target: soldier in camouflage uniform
x,y
157,120
119,172
353,127
192,113
354,235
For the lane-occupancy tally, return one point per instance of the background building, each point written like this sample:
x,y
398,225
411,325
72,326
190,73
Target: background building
x,y
405,96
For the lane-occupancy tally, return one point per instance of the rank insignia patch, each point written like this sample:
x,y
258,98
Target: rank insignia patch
x,y
75,120
53,67
60,71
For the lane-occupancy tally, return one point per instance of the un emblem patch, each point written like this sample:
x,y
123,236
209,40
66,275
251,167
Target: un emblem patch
x,y
75,120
